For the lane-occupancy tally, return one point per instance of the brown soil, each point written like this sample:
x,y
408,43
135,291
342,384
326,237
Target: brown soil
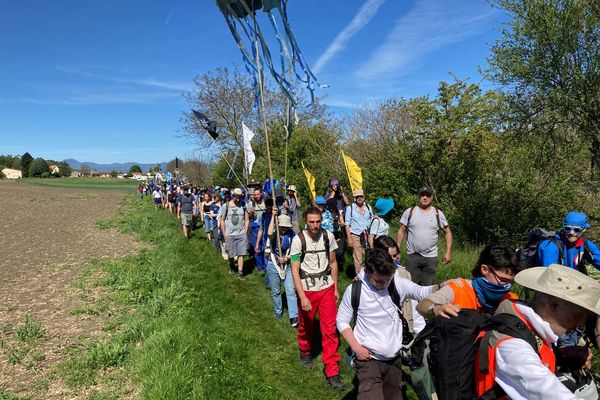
x,y
47,236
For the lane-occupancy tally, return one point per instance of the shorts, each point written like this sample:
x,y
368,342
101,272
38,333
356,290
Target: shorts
x,y
236,245
186,219
207,224
157,200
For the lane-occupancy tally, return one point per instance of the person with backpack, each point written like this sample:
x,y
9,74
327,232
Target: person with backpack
x,y
493,277
381,330
523,368
379,226
279,269
315,274
186,210
234,225
569,247
336,191
423,222
255,207
358,218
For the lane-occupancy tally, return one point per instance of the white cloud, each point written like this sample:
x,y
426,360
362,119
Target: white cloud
x,y
428,26
360,20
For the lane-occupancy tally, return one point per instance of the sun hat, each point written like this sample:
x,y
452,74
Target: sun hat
x,y
425,189
237,192
284,221
320,200
383,206
358,192
563,282
292,188
575,218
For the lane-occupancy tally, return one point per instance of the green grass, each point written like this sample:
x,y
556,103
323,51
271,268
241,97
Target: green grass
x,y
84,183
182,327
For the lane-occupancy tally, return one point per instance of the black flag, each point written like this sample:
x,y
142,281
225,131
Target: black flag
x,y
209,125
176,163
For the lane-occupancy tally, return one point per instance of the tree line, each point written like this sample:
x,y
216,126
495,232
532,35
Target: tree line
x,y
501,160
34,167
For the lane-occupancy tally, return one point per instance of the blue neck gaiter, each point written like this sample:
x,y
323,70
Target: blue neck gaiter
x,y
489,294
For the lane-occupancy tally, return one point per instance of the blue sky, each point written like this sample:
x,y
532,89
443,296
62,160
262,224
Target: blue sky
x,y
102,81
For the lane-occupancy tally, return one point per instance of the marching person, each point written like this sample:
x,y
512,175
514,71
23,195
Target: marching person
x,y
562,301
423,222
186,211
315,273
358,218
377,338
292,205
234,224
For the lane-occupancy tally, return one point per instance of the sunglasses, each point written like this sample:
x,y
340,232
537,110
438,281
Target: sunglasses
x,y
359,197
575,229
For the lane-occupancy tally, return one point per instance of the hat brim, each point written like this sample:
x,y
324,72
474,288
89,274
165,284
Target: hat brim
x,y
569,287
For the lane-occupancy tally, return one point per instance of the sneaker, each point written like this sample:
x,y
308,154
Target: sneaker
x,y
335,382
294,322
240,275
306,361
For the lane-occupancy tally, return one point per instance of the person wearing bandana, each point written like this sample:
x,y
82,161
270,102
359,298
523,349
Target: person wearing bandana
x,y
493,277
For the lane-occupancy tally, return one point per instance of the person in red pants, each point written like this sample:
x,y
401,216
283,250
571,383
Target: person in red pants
x,y
315,273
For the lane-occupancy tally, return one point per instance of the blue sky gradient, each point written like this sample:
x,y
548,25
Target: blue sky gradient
x,y
102,81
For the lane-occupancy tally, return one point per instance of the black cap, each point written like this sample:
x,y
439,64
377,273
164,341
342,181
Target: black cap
x,y
425,190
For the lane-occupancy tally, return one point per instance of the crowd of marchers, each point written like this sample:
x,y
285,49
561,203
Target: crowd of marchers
x,y
470,337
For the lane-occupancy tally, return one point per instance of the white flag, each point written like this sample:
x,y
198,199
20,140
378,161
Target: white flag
x,y
248,153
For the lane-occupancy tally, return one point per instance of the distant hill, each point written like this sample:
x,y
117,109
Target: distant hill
x,y
119,167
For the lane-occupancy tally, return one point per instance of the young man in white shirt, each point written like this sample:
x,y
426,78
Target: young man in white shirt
x,y
377,337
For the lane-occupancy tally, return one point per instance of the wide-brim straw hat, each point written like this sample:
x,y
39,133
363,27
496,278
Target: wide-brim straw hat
x,y
563,282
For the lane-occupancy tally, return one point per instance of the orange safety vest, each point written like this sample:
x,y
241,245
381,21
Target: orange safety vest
x,y
465,296
485,382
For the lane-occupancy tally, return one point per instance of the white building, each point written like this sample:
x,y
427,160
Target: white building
x,y
12,173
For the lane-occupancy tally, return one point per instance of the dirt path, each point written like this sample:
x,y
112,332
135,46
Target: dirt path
x,y
47,235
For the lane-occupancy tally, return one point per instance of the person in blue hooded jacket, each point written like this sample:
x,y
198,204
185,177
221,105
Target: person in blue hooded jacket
x,y
577,252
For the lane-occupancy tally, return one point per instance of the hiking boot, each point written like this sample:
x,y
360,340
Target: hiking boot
x,y
335,382
240,275
294,322
306,361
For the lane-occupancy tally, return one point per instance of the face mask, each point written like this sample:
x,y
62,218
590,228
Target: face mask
x,y
489,294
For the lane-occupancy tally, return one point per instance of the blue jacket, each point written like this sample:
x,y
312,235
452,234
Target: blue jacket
x,y
548,253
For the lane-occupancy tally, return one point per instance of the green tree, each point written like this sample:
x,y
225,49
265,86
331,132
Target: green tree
x,y
38,167
65,169
26,160
114,173
135,168
548,61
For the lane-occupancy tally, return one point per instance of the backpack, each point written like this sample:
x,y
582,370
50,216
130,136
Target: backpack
x,y
442,357
320,275
536,236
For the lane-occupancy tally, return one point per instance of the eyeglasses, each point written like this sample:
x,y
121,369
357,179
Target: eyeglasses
x,y
359,197
500,279
576,229
426,195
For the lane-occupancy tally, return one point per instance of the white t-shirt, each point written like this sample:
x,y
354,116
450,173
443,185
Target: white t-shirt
x,y
423,231
315,260
379,227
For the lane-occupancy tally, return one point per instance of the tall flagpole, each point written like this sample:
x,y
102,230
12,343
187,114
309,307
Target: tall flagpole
x,y
264,122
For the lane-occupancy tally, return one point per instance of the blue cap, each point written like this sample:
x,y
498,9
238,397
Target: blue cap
x,y
320,200
575,218
383,206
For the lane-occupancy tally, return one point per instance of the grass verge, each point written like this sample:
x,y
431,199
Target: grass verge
x,y
182,327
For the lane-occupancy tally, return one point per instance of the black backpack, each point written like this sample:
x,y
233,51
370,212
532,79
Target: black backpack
x,y
444,352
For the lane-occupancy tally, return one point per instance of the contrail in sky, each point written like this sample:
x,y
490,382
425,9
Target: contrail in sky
x,y
169,17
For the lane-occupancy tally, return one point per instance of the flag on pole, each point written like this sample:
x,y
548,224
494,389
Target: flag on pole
x,y
354,173
209,125
310,179
249,156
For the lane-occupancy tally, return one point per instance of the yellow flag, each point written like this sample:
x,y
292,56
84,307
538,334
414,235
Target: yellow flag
x,y
354,173
311,183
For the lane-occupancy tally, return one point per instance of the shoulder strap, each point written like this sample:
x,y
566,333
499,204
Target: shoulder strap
x,y
326,241
302,246
226,209
410,214
560,246
355,298
437,217
394,294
